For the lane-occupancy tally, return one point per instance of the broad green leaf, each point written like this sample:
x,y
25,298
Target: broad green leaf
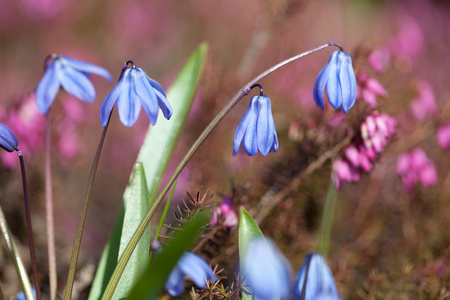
x,y
136,206
161,140
154,278
248,230
155,153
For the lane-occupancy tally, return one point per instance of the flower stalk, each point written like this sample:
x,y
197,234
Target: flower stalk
x,y
245,90
29,227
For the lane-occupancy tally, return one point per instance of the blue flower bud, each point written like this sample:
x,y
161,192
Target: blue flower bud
x,y
256,131
72,75
265,271
194,267
319,281
339,79
7,139
136,89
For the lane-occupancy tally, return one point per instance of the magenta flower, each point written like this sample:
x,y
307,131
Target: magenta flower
x,y
224,214
425,103
415,167
443,136
368,89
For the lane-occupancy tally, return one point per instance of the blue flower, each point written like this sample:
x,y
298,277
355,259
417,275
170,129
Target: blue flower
x,y
21,295
72,75
7,139
193,266
339,78
256,131
319,282
135,89
265,271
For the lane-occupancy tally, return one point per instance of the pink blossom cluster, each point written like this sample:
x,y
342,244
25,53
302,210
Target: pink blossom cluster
x,y
224,214
368,89
425,103
443,136
415,167
27,124
376,131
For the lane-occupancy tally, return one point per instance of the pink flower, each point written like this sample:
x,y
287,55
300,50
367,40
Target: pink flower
x,y
443,136
379,59
369,89
224,214
415,167
424,104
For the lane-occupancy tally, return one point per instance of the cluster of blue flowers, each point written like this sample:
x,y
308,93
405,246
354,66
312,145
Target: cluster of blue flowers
x,y
267,274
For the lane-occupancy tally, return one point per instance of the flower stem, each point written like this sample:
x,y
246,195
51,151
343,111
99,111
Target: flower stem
x,y
29,227
83,213
146,220
49,213
303,294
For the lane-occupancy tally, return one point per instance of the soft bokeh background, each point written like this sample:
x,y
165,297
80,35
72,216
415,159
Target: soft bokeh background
x,y
387,242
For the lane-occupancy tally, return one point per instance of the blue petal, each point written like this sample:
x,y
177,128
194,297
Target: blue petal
x,y
128,104
266,271
334,90
348,83
7,139
320,282
175,282
319,85
196,268
240,130
86,67
48,87
265,125
250,143
111,99
75,83
163,103
146,94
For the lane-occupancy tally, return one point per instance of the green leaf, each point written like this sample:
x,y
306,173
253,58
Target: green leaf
x,y
152,282
327,220
109,259
248,230
136,206
154,155
161,140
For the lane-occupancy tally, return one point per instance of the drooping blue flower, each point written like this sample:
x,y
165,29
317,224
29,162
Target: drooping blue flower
x,y
256,131
339,79
319,282
194,267
7,139
265,271
136,89
72,75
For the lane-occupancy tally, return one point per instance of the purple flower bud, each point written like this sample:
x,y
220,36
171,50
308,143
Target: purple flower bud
x,y
7,139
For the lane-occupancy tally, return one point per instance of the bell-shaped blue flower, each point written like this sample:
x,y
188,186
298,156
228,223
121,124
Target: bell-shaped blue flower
x,y
339,79
265,271
72,75
7,139
136,89
319,281
194,267
256,131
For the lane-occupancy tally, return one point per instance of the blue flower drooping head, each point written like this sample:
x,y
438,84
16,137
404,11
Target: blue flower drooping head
x,y
72,75
135,89
265,271
194,267
339,79
256,131
319,281
7,139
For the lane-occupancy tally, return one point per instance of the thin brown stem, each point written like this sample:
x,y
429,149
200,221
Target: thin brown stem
x,y
29,227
